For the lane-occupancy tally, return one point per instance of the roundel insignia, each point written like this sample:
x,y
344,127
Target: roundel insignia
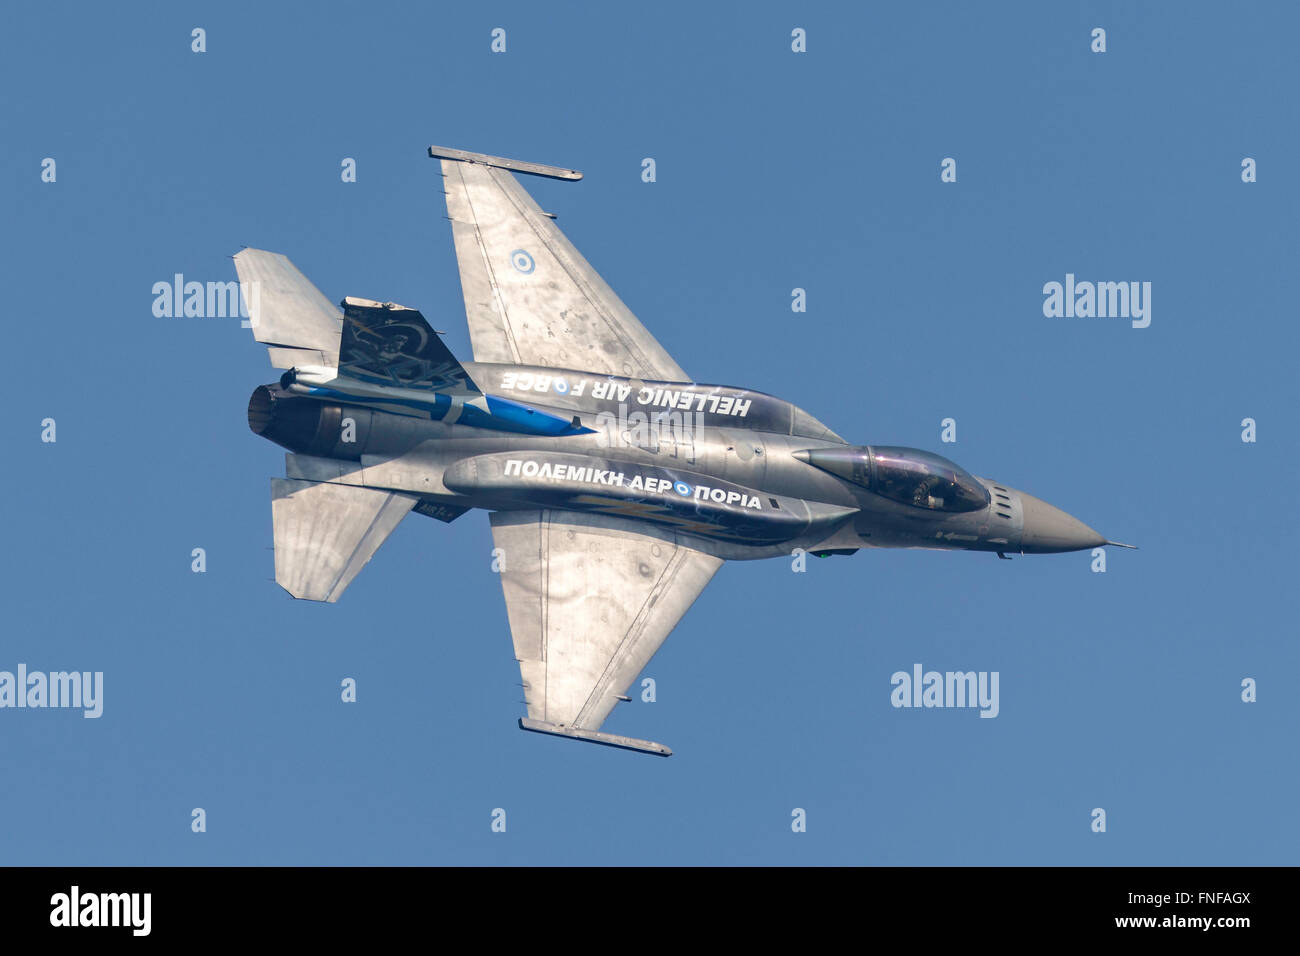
x,y
522,262
682,488
560,386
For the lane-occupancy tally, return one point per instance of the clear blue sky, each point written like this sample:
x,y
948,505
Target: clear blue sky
x,y
775,170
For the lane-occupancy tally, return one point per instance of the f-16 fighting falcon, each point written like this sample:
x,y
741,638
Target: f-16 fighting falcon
x,y
616,484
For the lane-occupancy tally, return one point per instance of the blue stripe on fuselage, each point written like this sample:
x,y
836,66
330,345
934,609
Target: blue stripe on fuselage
x,y
503,414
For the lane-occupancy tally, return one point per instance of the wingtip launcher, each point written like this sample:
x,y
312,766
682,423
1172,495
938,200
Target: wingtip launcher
x,y
514,165
595,737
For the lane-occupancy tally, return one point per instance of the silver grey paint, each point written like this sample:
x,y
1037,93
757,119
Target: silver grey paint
x,y
593,585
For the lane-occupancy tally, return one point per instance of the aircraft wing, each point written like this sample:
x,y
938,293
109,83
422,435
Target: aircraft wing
x,y
590,599
530,296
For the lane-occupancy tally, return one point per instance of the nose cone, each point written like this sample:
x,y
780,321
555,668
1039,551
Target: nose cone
x,y
1048,530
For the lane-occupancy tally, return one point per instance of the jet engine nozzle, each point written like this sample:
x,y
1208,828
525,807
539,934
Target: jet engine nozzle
x,y
307,426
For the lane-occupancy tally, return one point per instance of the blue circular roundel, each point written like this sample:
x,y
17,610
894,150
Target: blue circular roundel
x,y
682,488
522,262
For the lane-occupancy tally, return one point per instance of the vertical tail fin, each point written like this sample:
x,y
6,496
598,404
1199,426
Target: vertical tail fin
x,y
287,313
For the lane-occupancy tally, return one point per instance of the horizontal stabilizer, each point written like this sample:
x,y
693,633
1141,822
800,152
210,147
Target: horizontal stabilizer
x,y
325,533
595,737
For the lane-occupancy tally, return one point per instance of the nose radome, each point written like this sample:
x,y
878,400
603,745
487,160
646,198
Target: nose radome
x,y
1048,529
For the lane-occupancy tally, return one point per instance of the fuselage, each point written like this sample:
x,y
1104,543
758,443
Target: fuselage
x,y
741,473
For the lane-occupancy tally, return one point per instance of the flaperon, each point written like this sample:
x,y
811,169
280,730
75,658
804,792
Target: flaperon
x,y
617,485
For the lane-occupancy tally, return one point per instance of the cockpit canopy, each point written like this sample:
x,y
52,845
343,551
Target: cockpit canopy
x,y
907,475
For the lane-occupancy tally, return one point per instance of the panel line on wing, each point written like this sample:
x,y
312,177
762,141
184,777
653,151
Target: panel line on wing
x,y
633,635
488,271
544,544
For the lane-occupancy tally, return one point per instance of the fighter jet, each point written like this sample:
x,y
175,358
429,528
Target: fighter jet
x,y
616,483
